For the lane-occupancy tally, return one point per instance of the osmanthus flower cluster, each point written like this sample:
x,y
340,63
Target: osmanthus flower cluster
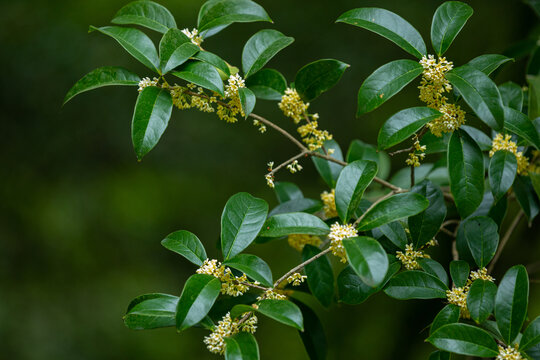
x,y
372,227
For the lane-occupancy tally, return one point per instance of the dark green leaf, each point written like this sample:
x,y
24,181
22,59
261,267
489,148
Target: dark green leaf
x,y
481,299
415,285
434,268
219,13
359,150
214,60
488,63
519,123
267,84
480,93
202,74
535,181
394,208
367,258
483,141
241,346
448,20
531,335
313,335
482,238
294,223
448,315
424,226
283,311
465,340
351,184
534,96
439,355
186,244
175,48
526,197
511,302
389,25
317,77
286,191
241,221
329,170
459,271
253,266
502,172
353,291
386,82
512,95
151,311
403,124
145,13
103,76
298,205
150,119
394,232
199,294
320,277
247,100
137,43
262,47
466,170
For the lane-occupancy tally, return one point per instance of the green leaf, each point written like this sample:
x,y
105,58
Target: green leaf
x,y
253,266
320,277
282,311
297,205
353,291
214,60
317,77
448,315
526,197
241,346
175,48
103,76
488,63
519,123
481,299
186,244
434,268
386,82
511,302
465,340
286,191
481,234
480,93
145,13
329,170
351,184
202,74
247,100
415,285
448,20
439,355
394,208
534,96
261,48
535,181
359,150
151,311
199,294
294,223
241,221
403,124
313,335
395,233
502,172
150,119
466,170
220,13
389,25
137,43
531,335
267,84
367,258
459,271
512,95
424,226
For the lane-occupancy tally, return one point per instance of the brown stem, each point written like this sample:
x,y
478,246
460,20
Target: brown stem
x,y
295,157
372,206
300,267
412,176
505,239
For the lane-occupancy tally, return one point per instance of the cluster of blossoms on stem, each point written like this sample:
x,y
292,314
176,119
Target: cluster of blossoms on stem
x,y
230,284
194,36
417,154
230,112
270,176
294,167
145,82
458,295
294,107
227,327
273,294
329,203
509,353
260,125
298,241
296,279
410,257
432,88
337,234
504,142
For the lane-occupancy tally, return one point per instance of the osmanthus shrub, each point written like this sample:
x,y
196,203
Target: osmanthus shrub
x,y
482,140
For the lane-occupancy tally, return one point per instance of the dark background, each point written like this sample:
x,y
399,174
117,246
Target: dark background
x,y
81,220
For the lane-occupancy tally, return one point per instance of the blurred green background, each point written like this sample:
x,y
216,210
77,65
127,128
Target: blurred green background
x,y
81,221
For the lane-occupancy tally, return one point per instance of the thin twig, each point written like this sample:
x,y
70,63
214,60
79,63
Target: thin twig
x,y
295,157
361,217
446,231
505,239
455,254
412,176
279,129
253,285
300,267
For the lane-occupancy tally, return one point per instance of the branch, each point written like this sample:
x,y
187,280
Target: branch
x,y
372,206
300,267
505,239
295,157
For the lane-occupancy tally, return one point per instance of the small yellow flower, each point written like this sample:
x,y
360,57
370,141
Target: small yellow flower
x,y
273,294
227,327
329,202
504,142
298,241
294,167
458,296
296,279
509,353
292,105
410,256
337,234
194,36
230,284
145,82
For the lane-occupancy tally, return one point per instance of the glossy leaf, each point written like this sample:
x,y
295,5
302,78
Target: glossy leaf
x,y
481,234
241,221
103,76
488,63
150,119
367,258
241,346
351,184
151,311
247,100
466,170
317,77
448,20
424,226
448,315
534,96
186,244
439,355
483,141
214,60
282,311
531,335
465,340
526,197
297,205
511,302
145,13
480,93
202,74
219,13
294,223
253,266
199,294
502,172
267,84
386,82
434,268
286,191
512,95
313,335
329,170
395,233
389,25
320,277
137,43
519,124
481,299
353,291
261,48
394,208
415,285
175,48
459,271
